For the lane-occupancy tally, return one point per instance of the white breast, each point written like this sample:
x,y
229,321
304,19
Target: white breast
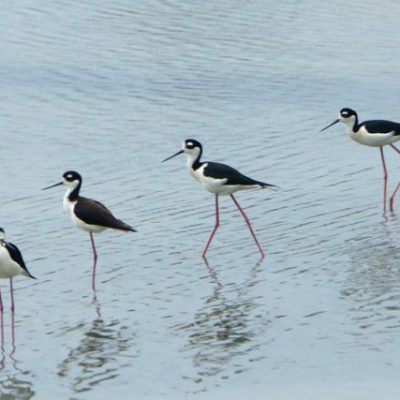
x,y
217,186
211,184
69,207
8,267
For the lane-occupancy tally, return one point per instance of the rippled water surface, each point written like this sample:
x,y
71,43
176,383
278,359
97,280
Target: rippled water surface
x,y
110,89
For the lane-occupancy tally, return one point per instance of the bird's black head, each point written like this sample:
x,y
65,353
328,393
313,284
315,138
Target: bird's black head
x,y
189,146
347,113
71,176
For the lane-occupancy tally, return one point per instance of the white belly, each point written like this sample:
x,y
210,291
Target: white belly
x,y
8,267
85,227
373,139
69,208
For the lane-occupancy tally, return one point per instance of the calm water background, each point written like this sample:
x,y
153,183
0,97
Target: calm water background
x,y
110,89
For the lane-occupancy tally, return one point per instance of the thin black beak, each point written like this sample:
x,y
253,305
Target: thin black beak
x,y
57,184
174,155
333,123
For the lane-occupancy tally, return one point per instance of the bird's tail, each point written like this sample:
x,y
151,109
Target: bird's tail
x,y
28,274
125,227
264,185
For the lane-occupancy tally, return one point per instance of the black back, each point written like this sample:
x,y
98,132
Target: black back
x,y
233,176
381,126
94,213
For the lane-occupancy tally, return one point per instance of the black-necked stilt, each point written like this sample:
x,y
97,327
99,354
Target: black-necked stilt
x,y
218,179
87,214
11,264
375,133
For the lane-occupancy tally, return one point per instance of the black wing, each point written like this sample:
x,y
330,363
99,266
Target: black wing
x,y
233,176
16,256
94,213
382,126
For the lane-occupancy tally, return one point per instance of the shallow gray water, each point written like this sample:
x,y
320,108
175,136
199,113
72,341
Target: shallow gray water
x,y
112,88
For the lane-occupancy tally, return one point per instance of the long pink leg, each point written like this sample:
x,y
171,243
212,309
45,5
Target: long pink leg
x,y
392,196
94,262
391,201
246,218
385,178
395,148
12,311
2,321
215,226
1,304
12,296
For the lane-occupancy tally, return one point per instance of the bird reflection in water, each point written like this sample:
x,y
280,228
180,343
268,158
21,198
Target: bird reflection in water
x,y
12,333
98,352
15,382
370,286
226,328
16,386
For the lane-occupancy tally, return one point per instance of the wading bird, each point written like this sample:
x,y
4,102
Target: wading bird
x,y
219,179
375,133
87,214
11,264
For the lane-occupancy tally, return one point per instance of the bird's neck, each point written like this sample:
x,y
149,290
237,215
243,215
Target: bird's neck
x,y
193,161
353,125
72,193
70,197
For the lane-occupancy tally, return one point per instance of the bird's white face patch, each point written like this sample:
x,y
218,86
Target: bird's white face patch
x,y
347,118
72,184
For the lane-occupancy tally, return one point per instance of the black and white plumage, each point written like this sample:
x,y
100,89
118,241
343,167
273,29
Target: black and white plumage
x,y
88,214
219,179
11,264
374,133
11,260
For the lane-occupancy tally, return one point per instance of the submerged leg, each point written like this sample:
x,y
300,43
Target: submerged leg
x,y
385,178
2,322
395,148
215,226
12,311
1,304
246,218
12,296
391,201
94,261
